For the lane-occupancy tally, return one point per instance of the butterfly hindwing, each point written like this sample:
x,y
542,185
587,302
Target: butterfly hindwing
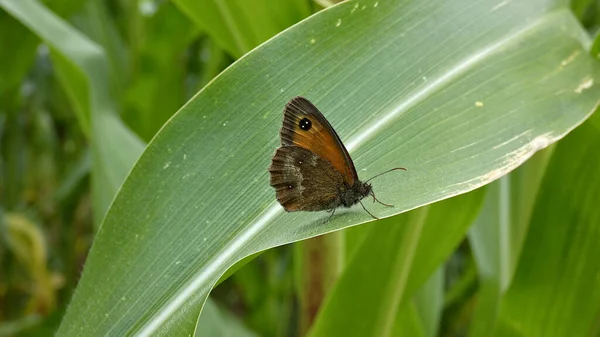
x,y
304,126
303,181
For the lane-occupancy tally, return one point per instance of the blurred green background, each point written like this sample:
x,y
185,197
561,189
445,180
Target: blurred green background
x,y
160,54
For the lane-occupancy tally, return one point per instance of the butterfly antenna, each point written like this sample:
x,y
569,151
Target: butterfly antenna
x,y
363,206
375,199
388,171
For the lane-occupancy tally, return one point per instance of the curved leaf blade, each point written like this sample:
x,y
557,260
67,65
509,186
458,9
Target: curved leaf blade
x,y
198,200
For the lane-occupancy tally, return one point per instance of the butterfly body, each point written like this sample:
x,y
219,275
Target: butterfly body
x,y
312,170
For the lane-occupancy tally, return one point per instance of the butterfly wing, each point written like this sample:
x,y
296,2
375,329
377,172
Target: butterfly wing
x,y
306,127
304,181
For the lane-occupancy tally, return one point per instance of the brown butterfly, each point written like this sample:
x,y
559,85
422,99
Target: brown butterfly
x,y
312,170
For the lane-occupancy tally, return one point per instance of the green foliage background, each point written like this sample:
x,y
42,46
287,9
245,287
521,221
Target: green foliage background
x,y
86,85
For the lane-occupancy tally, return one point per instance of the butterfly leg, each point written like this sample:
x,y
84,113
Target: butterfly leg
x,y
332,213
375,199
363,206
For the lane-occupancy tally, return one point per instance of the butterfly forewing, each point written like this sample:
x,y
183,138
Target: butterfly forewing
x,y
304,126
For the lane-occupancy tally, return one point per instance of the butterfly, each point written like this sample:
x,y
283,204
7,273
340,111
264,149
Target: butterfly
x,y
312,170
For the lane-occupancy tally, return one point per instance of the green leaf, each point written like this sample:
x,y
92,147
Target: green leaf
x,y
421,316
556,288
393,262
595,50
97,24
407,322
579,7
82,70
115,147
240,25
162,70
429,301
498,234
14,61
510,79
216,322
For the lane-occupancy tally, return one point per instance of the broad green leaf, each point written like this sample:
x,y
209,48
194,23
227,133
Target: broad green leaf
x,y
216,322
240,25
406,323
429,301
513,77
498,234
556,288
421,316
393,262
353,238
